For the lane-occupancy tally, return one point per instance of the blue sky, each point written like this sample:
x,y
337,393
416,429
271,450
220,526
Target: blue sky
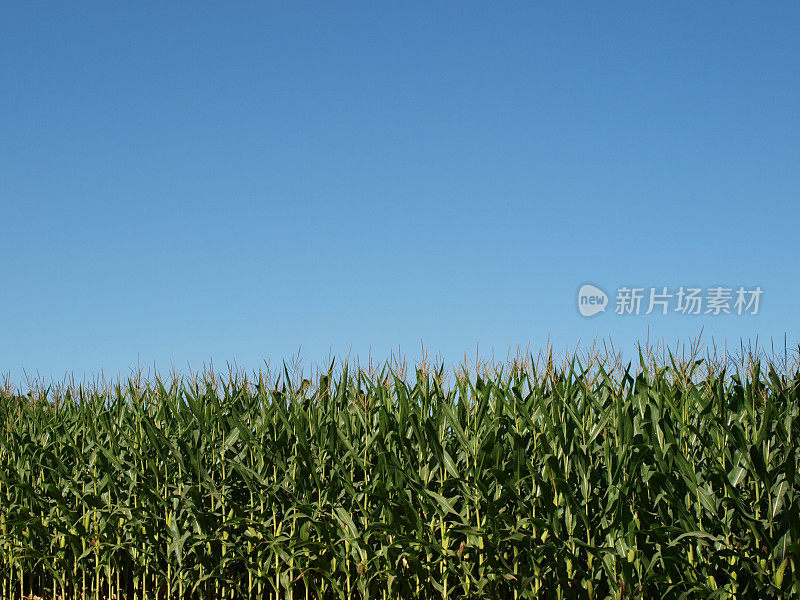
x,y
243,181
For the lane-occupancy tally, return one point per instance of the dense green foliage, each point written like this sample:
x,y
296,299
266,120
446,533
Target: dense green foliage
x,y
528,483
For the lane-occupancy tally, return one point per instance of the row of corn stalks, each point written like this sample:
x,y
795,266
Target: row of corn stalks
x,y
557,482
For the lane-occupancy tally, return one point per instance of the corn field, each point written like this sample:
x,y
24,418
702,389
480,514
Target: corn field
x,y
526,481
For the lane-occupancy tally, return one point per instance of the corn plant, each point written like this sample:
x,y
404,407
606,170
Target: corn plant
x,y
522,482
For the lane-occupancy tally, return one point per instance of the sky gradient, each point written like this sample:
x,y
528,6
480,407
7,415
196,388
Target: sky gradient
x,y
238,182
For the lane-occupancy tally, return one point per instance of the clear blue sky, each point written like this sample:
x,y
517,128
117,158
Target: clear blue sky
x,y
236,182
